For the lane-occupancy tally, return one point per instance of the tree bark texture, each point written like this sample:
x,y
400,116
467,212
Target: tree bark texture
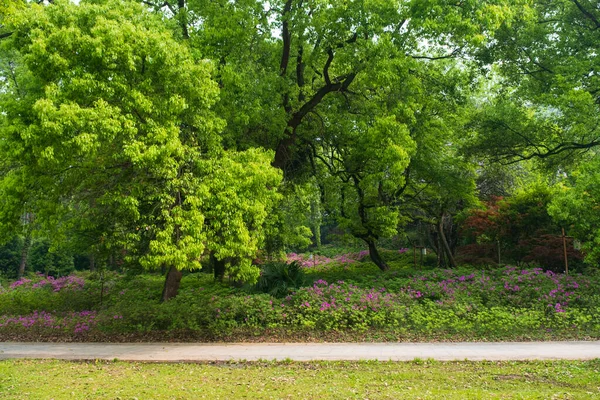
x,y
375,256
446,247
172,283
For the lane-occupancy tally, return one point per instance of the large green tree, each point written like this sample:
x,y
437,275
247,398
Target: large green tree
x,y
547,101
576,205
278,62
107,127
311,80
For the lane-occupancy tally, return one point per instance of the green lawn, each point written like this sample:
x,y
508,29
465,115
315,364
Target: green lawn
x,y
316,380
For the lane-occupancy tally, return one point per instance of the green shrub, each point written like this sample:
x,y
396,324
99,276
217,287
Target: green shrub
x,y
278,278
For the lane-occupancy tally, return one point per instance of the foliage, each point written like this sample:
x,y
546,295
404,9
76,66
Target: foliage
x,y
117,151
239,193
10,257
362,86
38,293
279,279
44,323
53,261
576,203
157,135
521,228
500,304
110,141
544,98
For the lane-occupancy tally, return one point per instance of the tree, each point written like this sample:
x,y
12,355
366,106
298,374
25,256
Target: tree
x,y
548,102
364,162
575,205
240,193
279,62
294,74
108,123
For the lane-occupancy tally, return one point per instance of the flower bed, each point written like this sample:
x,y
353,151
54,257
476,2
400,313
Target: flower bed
x,y
501,304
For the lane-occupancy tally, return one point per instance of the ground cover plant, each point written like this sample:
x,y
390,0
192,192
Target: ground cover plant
x,y
342,298
423,379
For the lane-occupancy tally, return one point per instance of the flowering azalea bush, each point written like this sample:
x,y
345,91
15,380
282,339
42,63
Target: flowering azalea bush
x,y
40,293
532,288
316,260
500,304
40,281
45,322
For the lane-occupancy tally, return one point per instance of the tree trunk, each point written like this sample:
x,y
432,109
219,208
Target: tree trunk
x,y
318,235
283,153
316,220
446,247
92,263
375,256
172,283
24,255
218,267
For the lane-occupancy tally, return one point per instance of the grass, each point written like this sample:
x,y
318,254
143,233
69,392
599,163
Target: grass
x,y
420,379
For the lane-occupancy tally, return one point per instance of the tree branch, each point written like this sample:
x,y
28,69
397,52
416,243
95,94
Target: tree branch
x,y
451,55
587,13
327,65
287,38
318,96
300,73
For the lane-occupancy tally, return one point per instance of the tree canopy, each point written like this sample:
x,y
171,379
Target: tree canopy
x,y
547,99
168,133
108,123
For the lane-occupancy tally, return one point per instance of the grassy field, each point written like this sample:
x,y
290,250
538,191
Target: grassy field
x,y
332,380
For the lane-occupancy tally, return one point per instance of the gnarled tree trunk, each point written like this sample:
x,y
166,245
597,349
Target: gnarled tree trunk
x,y
444,242
375,256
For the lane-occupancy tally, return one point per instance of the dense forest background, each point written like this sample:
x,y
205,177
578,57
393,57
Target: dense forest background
x,y
190,134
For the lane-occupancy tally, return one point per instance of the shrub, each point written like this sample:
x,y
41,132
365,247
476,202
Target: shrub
x,y
279,279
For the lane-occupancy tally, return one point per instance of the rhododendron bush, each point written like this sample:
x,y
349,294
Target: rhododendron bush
x,y
340,295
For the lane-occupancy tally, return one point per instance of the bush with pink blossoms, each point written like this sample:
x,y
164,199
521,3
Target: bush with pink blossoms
x,y
340,305
40,281
510,286
43,322
37,292
506,303
323,262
